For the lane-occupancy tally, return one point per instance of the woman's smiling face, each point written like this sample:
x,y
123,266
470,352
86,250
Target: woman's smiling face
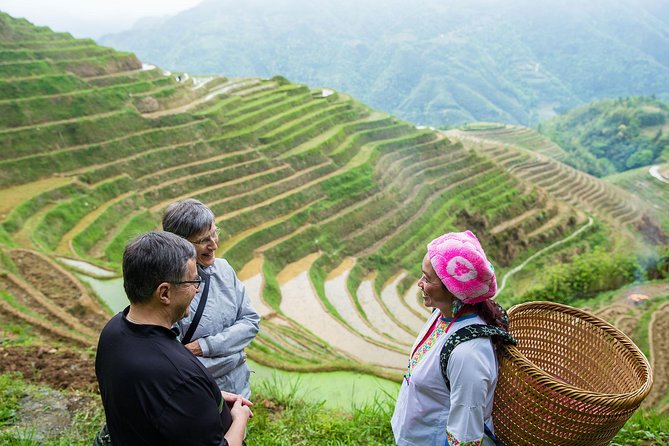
x,y
435,294
206,243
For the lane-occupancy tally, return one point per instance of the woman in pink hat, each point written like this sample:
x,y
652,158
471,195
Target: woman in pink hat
x,y
446,396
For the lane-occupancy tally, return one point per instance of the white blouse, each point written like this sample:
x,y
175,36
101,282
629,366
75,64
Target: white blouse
x,y
426,412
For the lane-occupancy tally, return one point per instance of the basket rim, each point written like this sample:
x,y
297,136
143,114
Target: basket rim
x,y
581,395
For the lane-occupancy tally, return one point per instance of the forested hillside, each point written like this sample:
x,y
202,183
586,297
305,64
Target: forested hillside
x,y
615,135
431,62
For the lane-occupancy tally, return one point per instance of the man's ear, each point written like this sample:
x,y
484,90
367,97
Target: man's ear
x,y
163,293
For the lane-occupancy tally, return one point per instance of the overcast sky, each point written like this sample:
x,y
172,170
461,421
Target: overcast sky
x,y
92,18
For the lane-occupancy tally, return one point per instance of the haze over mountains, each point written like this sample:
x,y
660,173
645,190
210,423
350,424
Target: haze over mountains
x,y
431,62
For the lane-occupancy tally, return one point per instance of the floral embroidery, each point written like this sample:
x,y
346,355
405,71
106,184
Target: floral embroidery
x,y
452,441
421,351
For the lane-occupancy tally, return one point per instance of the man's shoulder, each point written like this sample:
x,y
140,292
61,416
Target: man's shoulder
x,y
113,325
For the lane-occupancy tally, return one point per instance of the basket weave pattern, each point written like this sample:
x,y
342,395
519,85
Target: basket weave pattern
x,y
573,379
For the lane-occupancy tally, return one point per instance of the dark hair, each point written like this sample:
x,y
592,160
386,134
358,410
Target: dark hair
x,y
151,259
493,314
187,218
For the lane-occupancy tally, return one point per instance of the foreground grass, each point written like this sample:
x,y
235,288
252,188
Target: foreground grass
x,y
281,418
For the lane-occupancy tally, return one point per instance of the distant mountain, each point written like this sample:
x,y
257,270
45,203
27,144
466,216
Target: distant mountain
x,y
612,136
433,62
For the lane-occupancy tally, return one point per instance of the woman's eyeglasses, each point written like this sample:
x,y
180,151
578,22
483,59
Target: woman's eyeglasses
x,y
213,237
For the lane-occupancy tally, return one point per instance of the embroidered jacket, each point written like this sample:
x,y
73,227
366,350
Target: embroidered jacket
x,y
426,412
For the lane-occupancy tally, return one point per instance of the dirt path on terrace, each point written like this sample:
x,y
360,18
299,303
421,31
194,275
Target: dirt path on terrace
x,y
654,171
65,244
337,294
659,350
62,121
163,204
651,290
13,196
232,241
377,316
300,302
393,302
414,302
225,88
540,252
251,275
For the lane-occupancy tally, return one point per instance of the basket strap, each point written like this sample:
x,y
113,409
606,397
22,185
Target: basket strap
x,y
468,333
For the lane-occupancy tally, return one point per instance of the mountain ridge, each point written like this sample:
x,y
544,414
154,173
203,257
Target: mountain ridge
x,y
431,63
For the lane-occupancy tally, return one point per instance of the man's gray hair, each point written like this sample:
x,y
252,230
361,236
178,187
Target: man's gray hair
x,y
187,218
151,259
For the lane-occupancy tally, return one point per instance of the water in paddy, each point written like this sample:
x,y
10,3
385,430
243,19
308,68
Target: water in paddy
x,y
340,390
88,268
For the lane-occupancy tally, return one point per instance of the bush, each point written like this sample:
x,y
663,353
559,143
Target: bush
x,y
585,276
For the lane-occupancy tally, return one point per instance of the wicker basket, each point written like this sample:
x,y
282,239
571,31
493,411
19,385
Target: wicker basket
x,y
573,379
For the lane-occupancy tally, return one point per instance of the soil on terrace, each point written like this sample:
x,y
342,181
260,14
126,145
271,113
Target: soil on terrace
x,y
62,368
57,368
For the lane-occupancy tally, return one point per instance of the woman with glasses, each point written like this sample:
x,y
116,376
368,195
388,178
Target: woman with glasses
x,y
218,333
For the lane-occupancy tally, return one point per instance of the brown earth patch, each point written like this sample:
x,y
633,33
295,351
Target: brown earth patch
x,y
57,368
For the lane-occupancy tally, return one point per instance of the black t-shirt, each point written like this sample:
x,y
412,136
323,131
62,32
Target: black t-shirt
x,y
154,391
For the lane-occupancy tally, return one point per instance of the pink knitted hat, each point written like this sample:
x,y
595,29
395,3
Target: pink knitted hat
x,y
460,263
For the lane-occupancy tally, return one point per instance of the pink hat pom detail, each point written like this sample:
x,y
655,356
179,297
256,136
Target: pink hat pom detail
x,y
461,264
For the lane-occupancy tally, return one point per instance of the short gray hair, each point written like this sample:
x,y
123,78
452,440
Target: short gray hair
x,y
187,218
151,259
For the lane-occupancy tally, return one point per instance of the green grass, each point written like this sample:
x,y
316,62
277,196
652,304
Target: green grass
x,y
85,421
137,224
281,417
11,390
644,428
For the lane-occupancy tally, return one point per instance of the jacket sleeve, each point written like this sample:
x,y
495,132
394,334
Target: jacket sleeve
x,y
471,371
240,334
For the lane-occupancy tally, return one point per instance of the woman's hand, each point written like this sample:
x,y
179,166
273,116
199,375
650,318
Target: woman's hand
x,y
194,348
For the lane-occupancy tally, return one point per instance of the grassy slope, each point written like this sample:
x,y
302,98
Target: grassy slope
x,y
280,418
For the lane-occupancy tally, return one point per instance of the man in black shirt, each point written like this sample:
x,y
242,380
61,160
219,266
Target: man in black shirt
x,y
154,391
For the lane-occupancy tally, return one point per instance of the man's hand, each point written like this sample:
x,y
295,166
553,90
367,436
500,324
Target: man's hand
x,y
232,398
240,410
194,348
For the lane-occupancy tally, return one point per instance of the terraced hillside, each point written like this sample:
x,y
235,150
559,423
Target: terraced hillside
x,y
646,323
535,159
520,136
650,185
325,205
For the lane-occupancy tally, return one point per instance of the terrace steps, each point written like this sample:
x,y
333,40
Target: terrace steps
x,y
288,173
617,207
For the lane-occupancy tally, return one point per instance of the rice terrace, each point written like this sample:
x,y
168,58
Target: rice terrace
x,y
325,206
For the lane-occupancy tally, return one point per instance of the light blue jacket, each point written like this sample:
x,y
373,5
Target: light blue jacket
x,y
229,323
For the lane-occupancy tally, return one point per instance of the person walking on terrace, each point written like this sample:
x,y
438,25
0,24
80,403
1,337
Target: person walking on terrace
x,y
446,397
222,321
154,391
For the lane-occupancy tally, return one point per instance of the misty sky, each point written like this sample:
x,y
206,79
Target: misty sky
x,y
92,18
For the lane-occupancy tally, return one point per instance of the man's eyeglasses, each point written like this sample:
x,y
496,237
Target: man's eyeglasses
x,y
213,237
197,283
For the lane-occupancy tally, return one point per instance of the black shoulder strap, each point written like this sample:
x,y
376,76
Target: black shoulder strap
x,y
468,333
200,308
